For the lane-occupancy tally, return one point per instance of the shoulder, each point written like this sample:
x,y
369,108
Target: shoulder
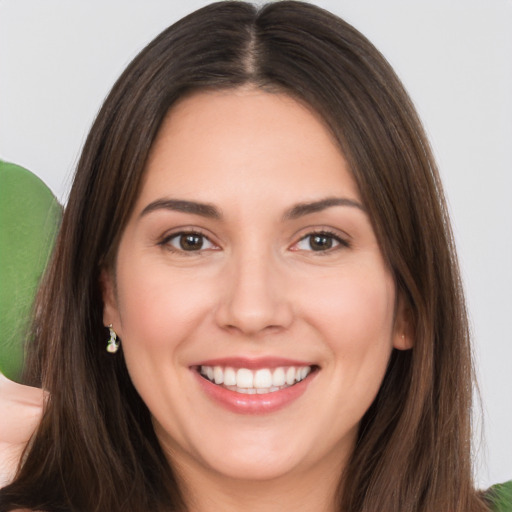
x,y
21,408
500,497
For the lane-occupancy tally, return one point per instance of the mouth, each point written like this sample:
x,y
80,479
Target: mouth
x,y
254,385
258,381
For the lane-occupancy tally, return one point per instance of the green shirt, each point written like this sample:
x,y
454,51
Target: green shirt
x,y
500,497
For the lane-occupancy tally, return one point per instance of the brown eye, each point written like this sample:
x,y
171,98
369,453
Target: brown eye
x,y
320,242
191,242
188,242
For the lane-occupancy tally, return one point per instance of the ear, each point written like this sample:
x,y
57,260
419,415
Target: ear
x,y
403,335
110,307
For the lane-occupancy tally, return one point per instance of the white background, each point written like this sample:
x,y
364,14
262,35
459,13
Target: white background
x,y
59,58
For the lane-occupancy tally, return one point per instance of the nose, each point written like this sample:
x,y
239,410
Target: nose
x,y
255,297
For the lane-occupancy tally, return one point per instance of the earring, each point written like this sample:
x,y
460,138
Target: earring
x,y
112,344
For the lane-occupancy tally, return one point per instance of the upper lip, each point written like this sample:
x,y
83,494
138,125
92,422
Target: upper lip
x,y
253,363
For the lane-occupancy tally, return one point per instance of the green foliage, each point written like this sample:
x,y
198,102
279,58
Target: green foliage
x,y
29,219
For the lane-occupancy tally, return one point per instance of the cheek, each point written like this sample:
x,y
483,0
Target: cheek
x,y
355,312
355,315
357,302
158,306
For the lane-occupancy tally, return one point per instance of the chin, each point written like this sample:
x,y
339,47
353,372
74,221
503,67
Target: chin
x,y
268,468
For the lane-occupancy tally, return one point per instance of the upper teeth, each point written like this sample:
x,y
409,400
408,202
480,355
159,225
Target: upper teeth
x,y
255,381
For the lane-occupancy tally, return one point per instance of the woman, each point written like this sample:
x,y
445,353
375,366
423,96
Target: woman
x,y
257,223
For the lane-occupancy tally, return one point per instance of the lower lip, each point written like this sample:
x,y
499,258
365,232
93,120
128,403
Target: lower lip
x,y
243,403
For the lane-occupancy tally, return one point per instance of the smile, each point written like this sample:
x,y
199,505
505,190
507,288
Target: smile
x,y
260,381
254,386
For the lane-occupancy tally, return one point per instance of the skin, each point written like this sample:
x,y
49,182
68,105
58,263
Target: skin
x,y
255,288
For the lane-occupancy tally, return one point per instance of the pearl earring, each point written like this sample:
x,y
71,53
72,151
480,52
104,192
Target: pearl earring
x,y
112,344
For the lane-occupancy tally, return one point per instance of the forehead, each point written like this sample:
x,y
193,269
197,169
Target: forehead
x,y
246,142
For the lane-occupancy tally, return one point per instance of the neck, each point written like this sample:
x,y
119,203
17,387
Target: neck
x,y
313,491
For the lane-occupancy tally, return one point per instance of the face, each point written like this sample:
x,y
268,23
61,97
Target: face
x,y
255,311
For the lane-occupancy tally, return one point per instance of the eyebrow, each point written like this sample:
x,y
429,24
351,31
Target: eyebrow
x,y
211,212
180,205
302,209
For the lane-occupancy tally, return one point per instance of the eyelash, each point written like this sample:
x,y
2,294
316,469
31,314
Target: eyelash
x,y
325,233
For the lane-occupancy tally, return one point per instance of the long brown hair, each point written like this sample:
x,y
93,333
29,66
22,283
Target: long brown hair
x,y
95,449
